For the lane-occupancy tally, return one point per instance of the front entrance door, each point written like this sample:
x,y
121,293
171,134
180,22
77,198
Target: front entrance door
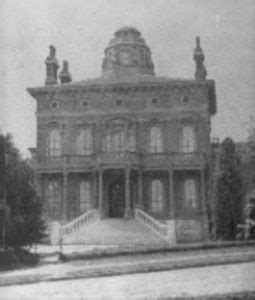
x,y
117,199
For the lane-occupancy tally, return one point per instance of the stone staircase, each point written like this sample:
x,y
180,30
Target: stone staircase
x,y
113,232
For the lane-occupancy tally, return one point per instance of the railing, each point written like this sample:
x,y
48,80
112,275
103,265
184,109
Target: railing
x,y
188,158
80,221
121,157
156,159
154,225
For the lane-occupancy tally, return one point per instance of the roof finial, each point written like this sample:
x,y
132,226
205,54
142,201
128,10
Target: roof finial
x,y
199,60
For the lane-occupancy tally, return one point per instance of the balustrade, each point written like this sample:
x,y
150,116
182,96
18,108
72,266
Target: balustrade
x,y
154,225
78,222
120,157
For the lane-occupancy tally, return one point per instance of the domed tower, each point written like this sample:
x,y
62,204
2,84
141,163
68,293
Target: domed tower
x,y
127,54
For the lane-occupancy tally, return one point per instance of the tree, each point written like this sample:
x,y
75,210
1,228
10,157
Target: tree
x,y
229,192
21,223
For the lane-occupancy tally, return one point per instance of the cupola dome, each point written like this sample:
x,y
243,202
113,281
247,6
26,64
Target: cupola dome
x,y
127,54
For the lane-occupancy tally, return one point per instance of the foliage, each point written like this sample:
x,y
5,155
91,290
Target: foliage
x,y
229,192
20,208
14,258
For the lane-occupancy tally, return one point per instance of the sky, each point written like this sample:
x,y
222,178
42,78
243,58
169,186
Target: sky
x,y
81,29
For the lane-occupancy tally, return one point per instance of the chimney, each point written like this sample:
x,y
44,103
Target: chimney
x,y
64,75
51,67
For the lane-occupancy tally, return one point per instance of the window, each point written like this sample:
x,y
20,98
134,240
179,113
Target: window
x,y
155,140
185,100
107,142
188,139
190,193
53,196
119,141
157,199
84,104
118,102
154,101
85,196
54,104
55,143
131,142
84,142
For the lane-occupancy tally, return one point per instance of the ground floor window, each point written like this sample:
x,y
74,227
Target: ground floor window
x,y
53,196
85,195
190,193
157,196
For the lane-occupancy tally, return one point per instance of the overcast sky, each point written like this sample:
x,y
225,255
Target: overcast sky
x,y
81,29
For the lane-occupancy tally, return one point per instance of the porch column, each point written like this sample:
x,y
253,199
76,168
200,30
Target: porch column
x,y
140,190
100,192
171,194
38,184
94,196
64,206
128,211
203,205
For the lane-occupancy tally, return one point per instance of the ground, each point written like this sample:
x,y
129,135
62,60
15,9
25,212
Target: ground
x,y
210,280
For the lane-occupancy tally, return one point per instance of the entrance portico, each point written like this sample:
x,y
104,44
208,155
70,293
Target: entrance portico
x,y
116,193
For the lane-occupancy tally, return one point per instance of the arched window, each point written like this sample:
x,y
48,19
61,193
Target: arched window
x,y
53,196
190,193
55,143
107,142
85,196
131,141
119,141
84,142
157,196
188,143
156,144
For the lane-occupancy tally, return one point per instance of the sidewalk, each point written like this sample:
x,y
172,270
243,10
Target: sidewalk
x,y
128,264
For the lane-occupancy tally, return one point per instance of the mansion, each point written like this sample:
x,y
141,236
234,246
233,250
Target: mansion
x,y
127,142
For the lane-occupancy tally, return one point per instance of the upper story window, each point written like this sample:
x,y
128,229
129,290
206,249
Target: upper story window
x,y
55,143
188,139
118,102
184,100
85,195
156,143
84,142
131,142
84,104
118,142
157,196
190,193
154,101
54,105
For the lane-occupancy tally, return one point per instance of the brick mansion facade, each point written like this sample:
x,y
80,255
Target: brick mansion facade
x,y
125,141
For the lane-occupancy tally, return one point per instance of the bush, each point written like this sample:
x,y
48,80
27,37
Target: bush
x,y
12,259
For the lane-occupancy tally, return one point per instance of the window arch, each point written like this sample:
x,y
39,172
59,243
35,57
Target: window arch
x,y
157,196
156,144
55,147
84,142
188,142
85,195
190,193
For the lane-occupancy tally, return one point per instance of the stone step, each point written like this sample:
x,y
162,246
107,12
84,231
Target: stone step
x,y
114,231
